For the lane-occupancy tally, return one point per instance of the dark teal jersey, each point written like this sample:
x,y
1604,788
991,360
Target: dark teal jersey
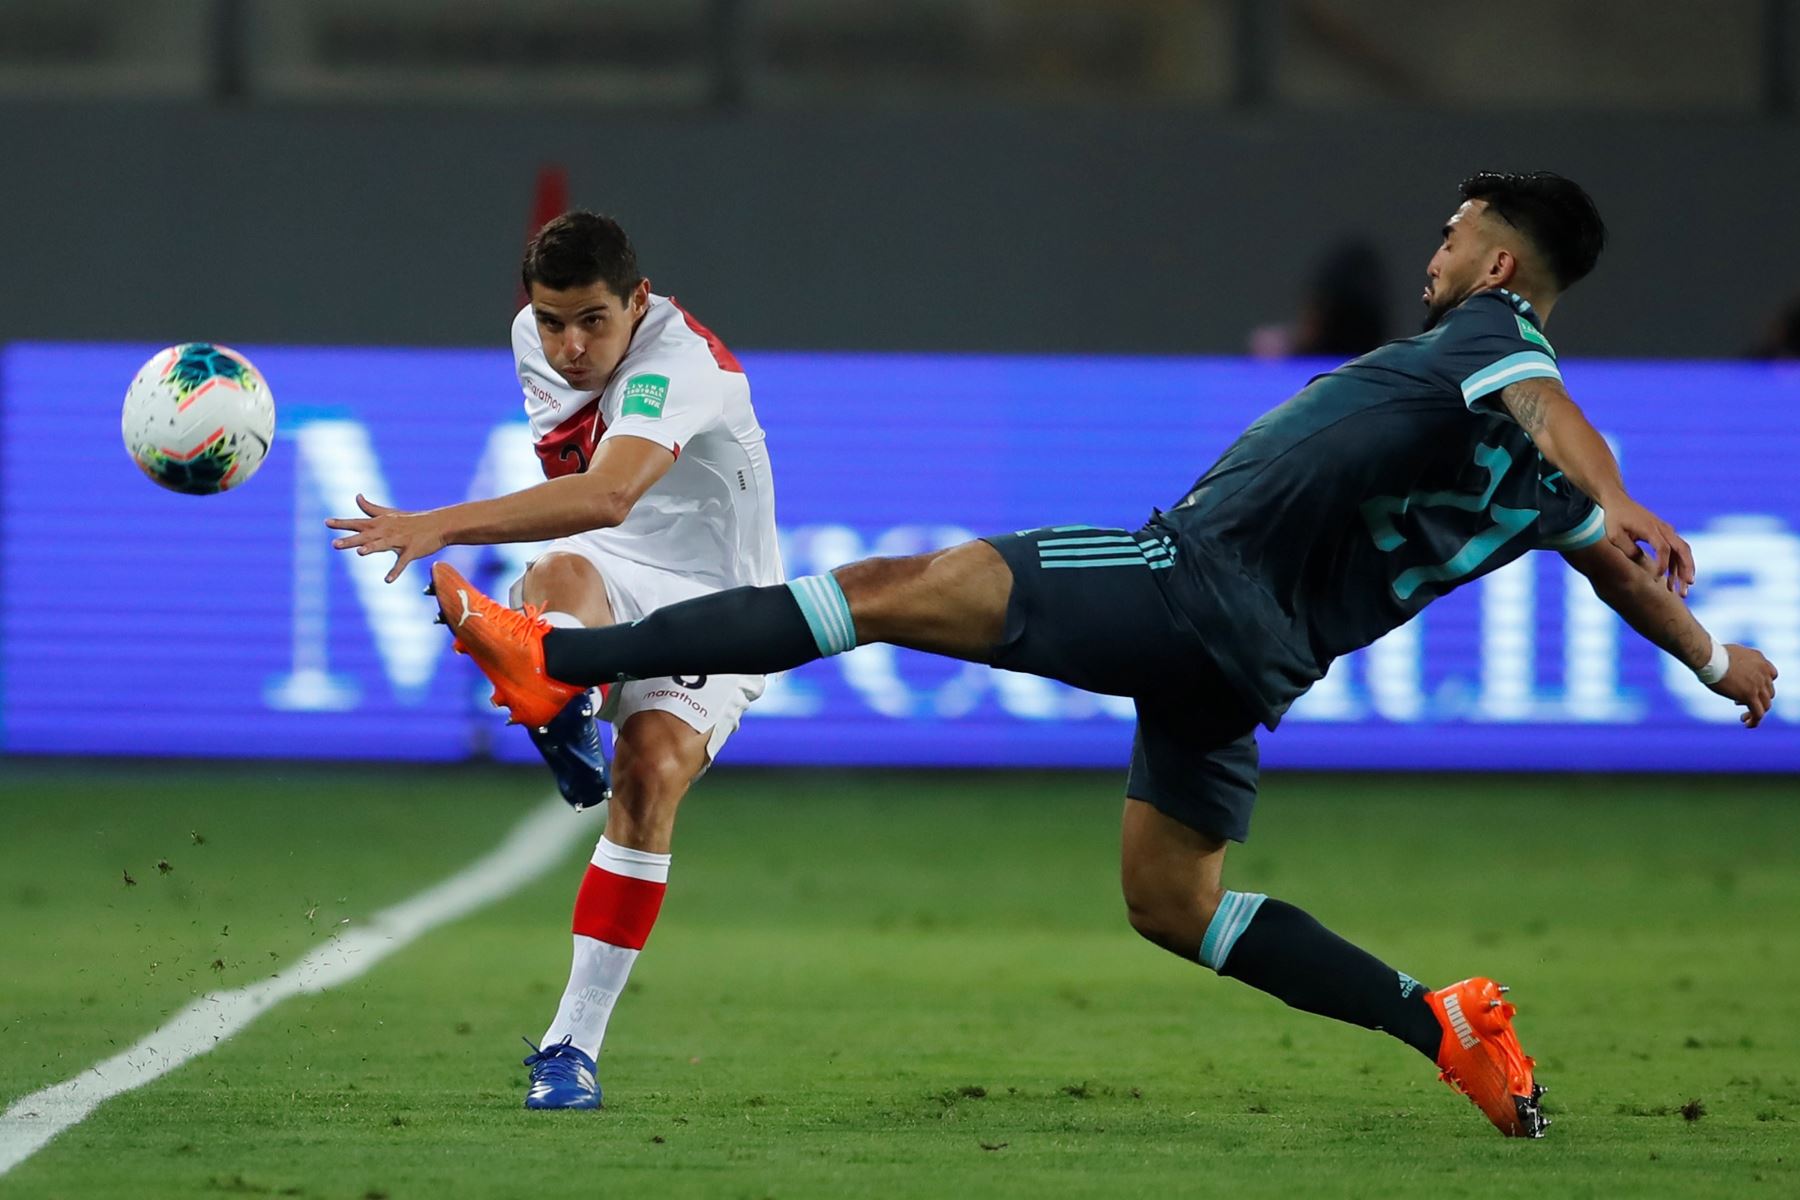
x,y
1379,487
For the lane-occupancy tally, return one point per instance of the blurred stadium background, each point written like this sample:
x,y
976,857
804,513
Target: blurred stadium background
x,y
991,264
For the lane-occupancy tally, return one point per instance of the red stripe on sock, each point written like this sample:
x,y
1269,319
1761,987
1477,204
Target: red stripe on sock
x,y
617,909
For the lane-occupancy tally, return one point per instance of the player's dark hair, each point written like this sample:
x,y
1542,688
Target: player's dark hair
x,y
579,249
1553,213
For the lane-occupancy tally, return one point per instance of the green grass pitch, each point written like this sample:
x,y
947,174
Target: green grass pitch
x,y
882,984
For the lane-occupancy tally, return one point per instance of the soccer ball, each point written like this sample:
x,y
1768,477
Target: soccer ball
x,y
199,418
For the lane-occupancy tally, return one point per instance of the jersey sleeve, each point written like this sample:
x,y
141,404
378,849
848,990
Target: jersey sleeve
x,y
524,339
528,353
666,403
1567,519
1487,343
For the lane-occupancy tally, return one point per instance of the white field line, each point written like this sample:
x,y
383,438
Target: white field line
x,y
535,845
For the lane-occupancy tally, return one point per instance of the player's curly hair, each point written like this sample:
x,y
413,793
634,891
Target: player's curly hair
x,y
1553,213
579,249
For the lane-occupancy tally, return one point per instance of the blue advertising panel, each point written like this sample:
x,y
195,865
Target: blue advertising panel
x,y
134,621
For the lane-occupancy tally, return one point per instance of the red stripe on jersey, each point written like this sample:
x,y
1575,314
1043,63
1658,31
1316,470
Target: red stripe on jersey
x,y
569,448
617,909
726,359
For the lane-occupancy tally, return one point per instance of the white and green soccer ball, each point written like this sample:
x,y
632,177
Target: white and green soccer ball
x,y
199,418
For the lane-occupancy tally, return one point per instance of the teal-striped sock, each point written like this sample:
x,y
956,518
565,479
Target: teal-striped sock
x,y
827,613
744,631
1228,925
1279,949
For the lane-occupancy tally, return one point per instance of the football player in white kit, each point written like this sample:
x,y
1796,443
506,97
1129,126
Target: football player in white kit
x,y
657,489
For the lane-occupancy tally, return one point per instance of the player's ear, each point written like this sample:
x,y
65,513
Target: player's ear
x,y
640,298
1504,266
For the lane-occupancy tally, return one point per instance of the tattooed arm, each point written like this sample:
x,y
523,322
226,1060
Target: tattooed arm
x,y
1563,435
1665,621
1544,410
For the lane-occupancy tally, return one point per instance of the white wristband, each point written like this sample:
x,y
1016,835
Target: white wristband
x,y
1715,668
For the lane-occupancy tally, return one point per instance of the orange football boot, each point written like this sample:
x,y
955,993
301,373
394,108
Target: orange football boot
x,y
508,646
1480,1056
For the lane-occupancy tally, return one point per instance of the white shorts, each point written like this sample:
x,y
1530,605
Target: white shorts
x,y
709,704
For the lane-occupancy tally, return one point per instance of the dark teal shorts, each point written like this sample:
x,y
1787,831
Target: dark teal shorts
x,y
1088,608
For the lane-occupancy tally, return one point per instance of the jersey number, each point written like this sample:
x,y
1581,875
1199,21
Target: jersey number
x,y
1380,512
567,449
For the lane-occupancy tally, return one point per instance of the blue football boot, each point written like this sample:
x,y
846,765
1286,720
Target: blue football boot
x,y
561,1077
570,743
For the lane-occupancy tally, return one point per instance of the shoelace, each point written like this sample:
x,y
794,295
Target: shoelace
x,y
557,1056
518,623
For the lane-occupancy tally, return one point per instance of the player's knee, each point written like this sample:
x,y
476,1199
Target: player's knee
x,y
567,583
655,757
650,774
559,572
1169,914
1150,917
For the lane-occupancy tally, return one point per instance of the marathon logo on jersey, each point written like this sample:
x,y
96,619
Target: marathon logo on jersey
x,y
543,397
1530,333
680,696
644,396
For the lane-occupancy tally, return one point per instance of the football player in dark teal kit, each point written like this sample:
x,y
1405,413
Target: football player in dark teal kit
x,y
1335,518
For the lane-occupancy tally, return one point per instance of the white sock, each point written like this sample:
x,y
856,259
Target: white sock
x,y
596,978
619,899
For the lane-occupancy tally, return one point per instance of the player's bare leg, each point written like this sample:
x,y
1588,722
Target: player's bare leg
x,y
656,758
1174,896
1171,878
952,602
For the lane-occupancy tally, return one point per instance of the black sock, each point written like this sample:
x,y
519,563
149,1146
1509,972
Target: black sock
x,y
744,631
1284,952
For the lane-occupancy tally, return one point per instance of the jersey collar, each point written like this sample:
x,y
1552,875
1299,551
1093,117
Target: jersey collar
x,y
1522,306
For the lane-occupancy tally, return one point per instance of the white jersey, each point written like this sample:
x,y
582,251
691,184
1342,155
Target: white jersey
x,y
712,517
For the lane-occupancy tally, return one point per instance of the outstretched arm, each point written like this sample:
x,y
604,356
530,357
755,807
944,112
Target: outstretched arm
x,y
1542,408
1739,673
600,497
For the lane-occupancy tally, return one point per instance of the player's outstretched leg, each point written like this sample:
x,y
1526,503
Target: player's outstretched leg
x,y
952,602
1173,892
